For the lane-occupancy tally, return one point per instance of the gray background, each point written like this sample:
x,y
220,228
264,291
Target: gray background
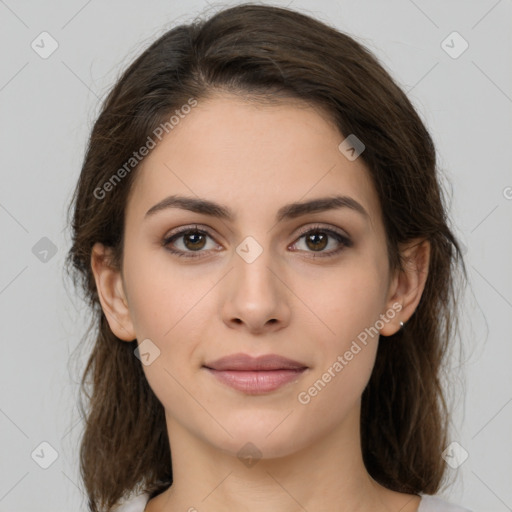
x,y
47,110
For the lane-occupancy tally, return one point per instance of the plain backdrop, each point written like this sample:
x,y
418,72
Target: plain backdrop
x,y
48,104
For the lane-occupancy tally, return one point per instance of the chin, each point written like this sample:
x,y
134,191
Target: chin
x,y
248,447
265,436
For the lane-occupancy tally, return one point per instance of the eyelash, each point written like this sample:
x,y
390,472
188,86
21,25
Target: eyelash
x,y
343,240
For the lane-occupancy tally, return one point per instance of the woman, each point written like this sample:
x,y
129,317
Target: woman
x,y
260,232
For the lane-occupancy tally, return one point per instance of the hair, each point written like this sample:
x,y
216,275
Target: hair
x,y
272,54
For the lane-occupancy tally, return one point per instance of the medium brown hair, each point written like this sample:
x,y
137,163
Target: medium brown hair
x,y
270,53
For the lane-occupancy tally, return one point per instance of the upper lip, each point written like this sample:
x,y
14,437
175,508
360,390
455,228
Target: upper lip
x,y
245,362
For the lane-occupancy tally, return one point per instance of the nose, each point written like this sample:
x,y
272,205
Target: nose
x,y
256,299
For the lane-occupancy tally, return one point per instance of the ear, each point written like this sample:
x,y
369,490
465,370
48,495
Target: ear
x,y
111,293
407,285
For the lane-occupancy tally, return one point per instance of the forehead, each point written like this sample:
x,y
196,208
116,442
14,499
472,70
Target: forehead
x,y
248,154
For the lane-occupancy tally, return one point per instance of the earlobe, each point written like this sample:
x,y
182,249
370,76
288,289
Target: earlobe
x,y
408,284
111,293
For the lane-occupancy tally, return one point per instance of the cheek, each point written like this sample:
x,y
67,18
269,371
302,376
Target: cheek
x,y
162,299
168,308
347,307
344,360
342,301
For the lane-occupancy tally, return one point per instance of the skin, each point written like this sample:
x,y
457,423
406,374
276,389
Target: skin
x,y
290,301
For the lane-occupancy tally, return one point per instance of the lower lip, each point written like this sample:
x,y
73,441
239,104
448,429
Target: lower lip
x,y
256,382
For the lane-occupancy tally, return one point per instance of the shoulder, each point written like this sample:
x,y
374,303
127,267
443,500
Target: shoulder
x,y
436,504
135,503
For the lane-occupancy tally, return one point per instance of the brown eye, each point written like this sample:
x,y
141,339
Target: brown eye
x,y
194,241
189,241
317,241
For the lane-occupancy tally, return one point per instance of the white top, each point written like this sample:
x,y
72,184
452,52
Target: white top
x,y
436,504
427,504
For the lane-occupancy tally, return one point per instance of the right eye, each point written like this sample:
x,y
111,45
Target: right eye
x,y
186,242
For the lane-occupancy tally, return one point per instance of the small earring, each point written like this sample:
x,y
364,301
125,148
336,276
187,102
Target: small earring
x,y
401,325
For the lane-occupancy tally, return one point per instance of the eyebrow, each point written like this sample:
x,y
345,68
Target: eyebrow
x,y
288,211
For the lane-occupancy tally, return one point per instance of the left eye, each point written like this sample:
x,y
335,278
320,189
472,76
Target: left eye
x,y
317,239
195,240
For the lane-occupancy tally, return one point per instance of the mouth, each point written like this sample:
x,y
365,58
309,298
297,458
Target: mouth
x,y
255,375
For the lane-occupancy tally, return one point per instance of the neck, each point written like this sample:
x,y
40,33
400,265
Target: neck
x,y
326,475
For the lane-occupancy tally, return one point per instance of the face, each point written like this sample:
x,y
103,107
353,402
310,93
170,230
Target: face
x,y
261,279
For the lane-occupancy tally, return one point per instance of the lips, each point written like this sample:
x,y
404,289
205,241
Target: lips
x,y
255,375
244,362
